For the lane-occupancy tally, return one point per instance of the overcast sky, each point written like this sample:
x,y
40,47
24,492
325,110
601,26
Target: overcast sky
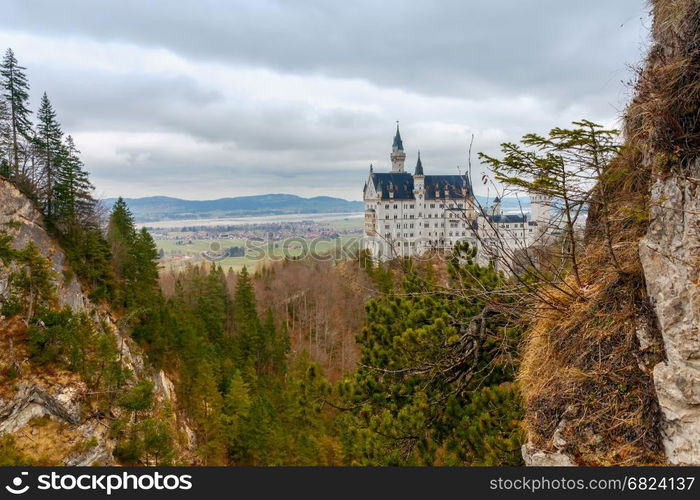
x,y
206,99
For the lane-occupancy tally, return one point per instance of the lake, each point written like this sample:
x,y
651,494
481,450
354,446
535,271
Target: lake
x,y
258,219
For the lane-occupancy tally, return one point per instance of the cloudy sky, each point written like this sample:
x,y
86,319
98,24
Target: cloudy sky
x,y
203,99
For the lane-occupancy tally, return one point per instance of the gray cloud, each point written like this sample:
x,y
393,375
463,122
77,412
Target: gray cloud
x,y
447,69
434,47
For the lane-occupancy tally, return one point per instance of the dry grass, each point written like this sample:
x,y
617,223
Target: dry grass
x,y
47,441
664,117
585,378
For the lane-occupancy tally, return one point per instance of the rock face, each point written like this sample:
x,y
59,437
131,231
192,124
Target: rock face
x,y
535,457
20,218
670,254
62,398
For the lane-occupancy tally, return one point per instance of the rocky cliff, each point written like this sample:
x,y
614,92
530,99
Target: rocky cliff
x,y
48,410
665,117
670,253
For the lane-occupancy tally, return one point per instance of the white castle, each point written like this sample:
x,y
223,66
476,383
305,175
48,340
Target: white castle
x,y
407,215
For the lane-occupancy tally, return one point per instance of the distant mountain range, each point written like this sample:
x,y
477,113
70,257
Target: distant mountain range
x,y
158,208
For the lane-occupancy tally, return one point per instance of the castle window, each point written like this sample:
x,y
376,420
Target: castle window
x,y
386,206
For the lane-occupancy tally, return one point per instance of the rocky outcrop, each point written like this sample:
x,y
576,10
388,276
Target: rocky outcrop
x,y
32,401
20,218
534,457
63,398
670,254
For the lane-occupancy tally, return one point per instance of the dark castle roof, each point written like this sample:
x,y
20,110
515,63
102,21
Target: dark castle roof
x,y
398,144
419,166
436,186
508,218
457,186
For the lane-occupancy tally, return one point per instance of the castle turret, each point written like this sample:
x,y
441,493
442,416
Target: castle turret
x,y
397,154
495,208
419,181
419,166
540,211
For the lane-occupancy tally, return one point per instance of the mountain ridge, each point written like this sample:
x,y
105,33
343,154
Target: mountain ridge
x,y
153,208
165,207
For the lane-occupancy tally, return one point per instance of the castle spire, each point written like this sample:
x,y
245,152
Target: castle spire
x,y
398,144
397,154
419,166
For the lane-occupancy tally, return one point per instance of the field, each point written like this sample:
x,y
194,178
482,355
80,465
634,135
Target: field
x,y
257,253
181,252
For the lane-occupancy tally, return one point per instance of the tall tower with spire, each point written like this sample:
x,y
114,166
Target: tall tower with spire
x,y
398,157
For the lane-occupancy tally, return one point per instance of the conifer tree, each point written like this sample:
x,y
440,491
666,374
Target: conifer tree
x,y
249,340
145,256
207,415
49,139
236,409
73,191
16,94
5,139
428,353
121,235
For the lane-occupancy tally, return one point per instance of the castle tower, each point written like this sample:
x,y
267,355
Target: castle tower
x,y
540,211
418,178
397,154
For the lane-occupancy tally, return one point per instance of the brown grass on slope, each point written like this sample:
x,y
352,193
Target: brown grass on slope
x,y
586,373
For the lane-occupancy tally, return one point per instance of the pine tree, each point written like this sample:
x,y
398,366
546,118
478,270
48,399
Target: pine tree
x,y
249,336
16,94
427,355
237,402
207,415
74,202
49,140
121,235
146,291
5,139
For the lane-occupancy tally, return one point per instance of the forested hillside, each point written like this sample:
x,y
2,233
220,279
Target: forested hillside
x,y
283,367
